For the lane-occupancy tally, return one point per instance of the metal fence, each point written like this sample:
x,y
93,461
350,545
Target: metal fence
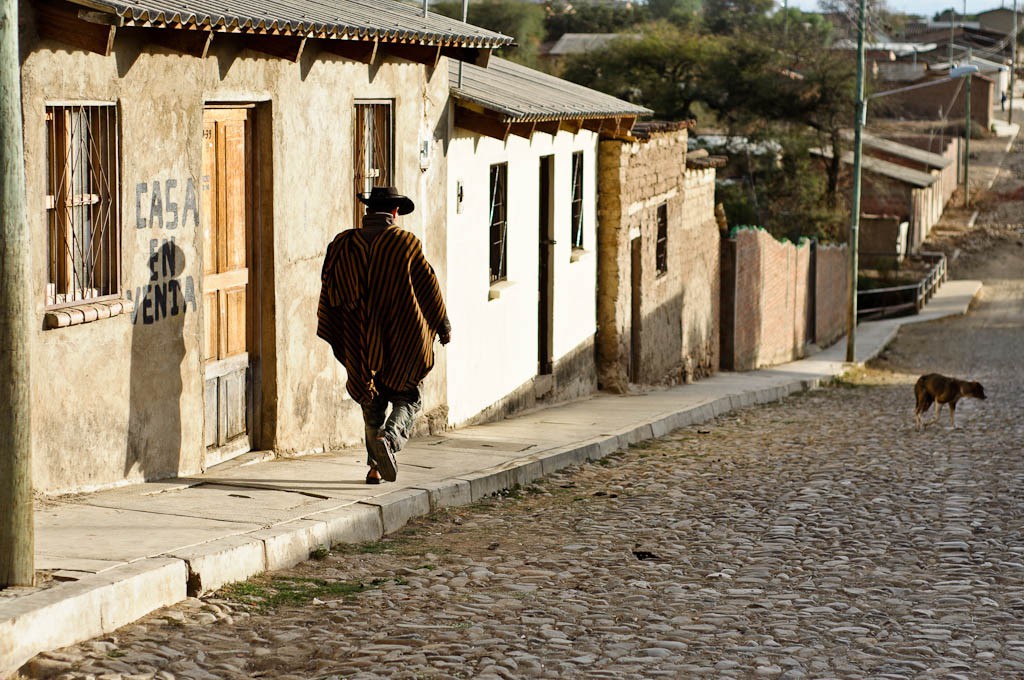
x,y
906,300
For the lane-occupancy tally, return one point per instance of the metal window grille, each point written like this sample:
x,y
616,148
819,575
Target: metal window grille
x,y
374,148
661,245
83,205
499,222
577,199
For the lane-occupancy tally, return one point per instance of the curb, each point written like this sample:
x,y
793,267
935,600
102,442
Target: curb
x,y
84,609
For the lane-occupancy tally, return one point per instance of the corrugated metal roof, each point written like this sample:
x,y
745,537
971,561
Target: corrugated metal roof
x,y
523,95
383,20
915,178
911,153
579,43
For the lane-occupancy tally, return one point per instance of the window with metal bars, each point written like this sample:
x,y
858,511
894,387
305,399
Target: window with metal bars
x,y
499,222
577,200
83,205
661,245
374,149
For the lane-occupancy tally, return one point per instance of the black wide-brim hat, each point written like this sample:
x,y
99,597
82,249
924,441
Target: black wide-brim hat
x,y
386,199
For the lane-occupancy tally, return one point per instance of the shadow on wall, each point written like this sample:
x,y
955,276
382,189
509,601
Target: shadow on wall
x,y
158,350
573,376
741,284
671,347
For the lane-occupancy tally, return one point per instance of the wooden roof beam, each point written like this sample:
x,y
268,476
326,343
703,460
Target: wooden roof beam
x,y
522,129
90,31
595,124
193,43
285,47
625,125
421,54
572,125
549,126
481,124
478,57
364,52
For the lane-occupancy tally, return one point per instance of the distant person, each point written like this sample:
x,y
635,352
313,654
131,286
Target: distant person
x,y
1002,103
380,310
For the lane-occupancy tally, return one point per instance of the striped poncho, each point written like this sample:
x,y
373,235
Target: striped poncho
x,y
380,308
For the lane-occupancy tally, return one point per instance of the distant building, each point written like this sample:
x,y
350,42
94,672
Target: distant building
x,y
1000,20
571,44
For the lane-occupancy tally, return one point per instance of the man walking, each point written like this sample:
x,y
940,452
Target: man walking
x,y
380,309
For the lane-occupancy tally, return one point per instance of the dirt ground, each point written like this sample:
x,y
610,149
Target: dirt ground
x,y
983,242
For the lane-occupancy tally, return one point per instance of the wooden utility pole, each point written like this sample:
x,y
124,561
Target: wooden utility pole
x,y
17,541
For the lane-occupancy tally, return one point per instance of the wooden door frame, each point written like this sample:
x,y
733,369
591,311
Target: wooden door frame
x,y
254,332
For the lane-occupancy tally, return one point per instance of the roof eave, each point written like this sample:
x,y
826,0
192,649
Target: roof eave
x,y
132,17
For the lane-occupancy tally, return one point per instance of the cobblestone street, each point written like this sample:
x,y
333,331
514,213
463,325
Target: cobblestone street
x,y
820,537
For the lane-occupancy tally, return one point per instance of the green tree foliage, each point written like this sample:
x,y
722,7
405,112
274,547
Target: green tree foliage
x,y
661,69
780,81
679,12
586,16
781,193
732,17
524,21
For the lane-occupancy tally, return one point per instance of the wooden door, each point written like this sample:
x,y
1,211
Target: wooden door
x,y
227,293
636,282
545,283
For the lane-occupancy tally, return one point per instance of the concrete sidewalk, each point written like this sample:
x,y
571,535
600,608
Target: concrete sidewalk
x,y
118,555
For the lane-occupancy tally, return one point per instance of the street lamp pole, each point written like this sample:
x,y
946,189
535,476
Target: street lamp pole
x,y
1013,63
967,137
858,128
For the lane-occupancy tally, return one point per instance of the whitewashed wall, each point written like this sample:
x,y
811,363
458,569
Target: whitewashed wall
x,y
494,346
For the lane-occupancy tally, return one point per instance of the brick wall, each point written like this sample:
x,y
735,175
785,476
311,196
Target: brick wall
x,y
927,102
879,243
772,306
831,293
653,326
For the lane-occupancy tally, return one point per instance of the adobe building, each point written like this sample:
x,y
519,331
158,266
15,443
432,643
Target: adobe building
x,y
658,261
186,165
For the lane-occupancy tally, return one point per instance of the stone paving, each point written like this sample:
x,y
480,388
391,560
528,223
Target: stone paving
x,y
819,537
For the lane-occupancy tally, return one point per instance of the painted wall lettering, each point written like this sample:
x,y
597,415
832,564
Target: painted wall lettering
x,y
156,205
168,291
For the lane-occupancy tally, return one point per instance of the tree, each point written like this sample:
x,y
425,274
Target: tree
x,y
732,17
878,20
682,13
766,77
524,21
784,78
592,17
660,68
782,193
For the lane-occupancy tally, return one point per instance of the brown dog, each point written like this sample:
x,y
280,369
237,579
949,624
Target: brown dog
x,y
942,390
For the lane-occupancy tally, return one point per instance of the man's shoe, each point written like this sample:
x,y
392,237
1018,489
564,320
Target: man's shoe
x,y
373,476
384,458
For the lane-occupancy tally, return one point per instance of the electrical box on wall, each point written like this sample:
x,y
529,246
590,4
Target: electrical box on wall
x,y
458,196
425,154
